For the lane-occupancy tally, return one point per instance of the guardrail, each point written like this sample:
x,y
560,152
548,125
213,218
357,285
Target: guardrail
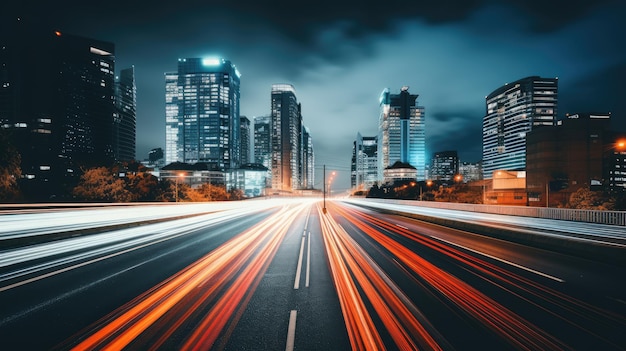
x,y
566,214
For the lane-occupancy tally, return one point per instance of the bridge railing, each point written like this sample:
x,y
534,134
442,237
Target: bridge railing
x,y
567,214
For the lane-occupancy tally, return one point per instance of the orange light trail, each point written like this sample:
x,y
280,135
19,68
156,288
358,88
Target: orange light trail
x,y
222,281
348,260
512,327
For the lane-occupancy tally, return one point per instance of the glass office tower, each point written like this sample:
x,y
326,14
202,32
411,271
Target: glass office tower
x,y
245,139
512,111
286,138
364,162
263,140
202,113
124,129
401,132
308,159
57,103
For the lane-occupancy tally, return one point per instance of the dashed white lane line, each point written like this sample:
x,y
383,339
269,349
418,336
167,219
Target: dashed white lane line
x,y
291,330
296,284
308,259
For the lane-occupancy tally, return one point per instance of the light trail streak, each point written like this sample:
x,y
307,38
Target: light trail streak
x,y
100,247
510,326
348,260
545,275
215,289
576,307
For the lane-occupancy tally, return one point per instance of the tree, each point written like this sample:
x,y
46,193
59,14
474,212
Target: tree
x,y
586,199
208,192
100,184
235,194
10,170
142,185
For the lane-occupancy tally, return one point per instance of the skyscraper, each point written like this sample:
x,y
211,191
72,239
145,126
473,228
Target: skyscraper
x,y
286,138
308,160
401,132
364,162
445,165
512,111
263,141
202,113
566,157
124,128
57,103
245,139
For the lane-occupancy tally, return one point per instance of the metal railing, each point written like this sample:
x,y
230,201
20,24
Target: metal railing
x,y
566,214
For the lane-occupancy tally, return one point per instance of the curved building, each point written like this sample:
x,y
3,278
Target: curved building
x,y
512,111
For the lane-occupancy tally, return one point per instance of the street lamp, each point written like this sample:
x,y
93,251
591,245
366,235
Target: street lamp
x,y
176,182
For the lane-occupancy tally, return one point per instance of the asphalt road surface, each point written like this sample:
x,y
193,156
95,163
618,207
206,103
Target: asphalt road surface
x,y
287,275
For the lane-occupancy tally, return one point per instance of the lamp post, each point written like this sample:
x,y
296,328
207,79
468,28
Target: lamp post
x,y
176,178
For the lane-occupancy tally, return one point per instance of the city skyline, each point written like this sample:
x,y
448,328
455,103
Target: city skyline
x,y
339,61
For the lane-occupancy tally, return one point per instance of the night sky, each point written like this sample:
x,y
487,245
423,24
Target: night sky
x,y
340,55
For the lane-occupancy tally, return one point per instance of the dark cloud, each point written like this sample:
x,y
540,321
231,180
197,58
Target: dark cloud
x,y
459,131
298,20
339,55
597,92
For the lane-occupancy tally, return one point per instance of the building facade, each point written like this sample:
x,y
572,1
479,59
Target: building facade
x,y
566,157
471,171
263,141
245,140
308,160
364,168
124,128
398,172
57,105
202,113
286,139
445,166
615,162
512,111
401,132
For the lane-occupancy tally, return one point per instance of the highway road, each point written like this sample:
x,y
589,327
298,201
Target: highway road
x,y
281,274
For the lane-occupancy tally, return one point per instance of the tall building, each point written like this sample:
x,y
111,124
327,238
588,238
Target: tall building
x,y
57,103
566,157
202,113
445,166
308,160
471,171
245,139
512,111
615,162
263,141
401,132
364,162
286,138
124,128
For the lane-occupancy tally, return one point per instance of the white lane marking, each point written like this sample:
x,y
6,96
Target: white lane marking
x,y
306,222
291,330
503,261
296,284
308,259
